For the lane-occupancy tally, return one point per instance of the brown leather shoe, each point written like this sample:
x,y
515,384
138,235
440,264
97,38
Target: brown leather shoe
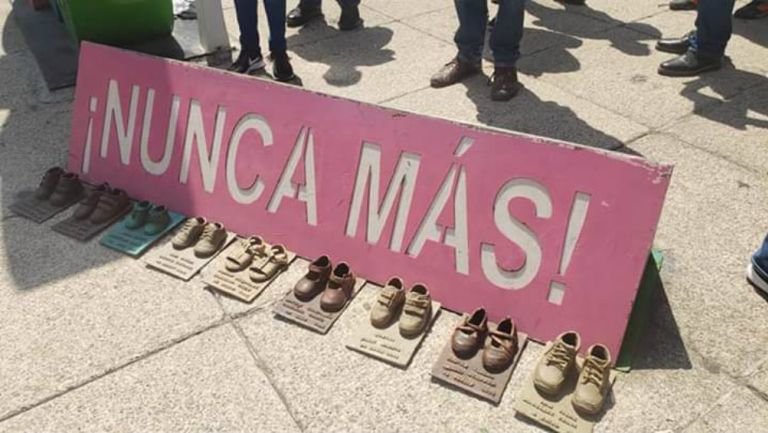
x,y
67,188
504,84
48,183
500,347
339,290
469,334
388,304
109,205
315,279
453,72
88,203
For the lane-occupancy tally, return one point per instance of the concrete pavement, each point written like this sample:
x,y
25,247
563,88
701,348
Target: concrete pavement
x,y
92,341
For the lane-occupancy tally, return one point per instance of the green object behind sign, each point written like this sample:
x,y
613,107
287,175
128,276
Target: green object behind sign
x,y
117,22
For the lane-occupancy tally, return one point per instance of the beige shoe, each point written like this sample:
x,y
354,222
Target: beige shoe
x,y
388,304
594,381
248,250
189,233
416,312
556,363
277,260
211,240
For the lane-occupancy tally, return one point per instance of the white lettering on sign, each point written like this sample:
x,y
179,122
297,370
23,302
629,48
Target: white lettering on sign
x,y
158,168
114,114
286,187
246,123
209,160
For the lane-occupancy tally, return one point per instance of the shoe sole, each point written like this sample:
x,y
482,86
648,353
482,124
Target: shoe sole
x,y
755,279
671,51
508,98
668,73
261,64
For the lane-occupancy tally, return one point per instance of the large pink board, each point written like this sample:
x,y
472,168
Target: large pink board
x,y
552,234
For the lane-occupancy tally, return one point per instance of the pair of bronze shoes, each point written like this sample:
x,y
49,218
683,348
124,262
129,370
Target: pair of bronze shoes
x,y
262,261
207,237
500,343
336,284
416,306
152,219
102,203
59,187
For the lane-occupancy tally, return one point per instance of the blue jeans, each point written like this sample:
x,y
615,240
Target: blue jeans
x,y
505,36
342,3
713,28
247,20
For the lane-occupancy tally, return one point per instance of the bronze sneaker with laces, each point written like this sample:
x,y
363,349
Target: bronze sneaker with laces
x,y
416,312
189,233
500,346
556,363
388,304
211,240
594,381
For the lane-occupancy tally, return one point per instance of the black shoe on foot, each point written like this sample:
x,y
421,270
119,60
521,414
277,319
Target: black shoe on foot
x,y
453,72
299,15
504,84
689,65
246,64
683,5
281,68
756,9
675,45
350,18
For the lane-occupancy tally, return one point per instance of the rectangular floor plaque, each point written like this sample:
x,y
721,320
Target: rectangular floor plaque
x,y
135,242
84,229
40,211
239,284
557,412
388,344
183,264
309,314
470,375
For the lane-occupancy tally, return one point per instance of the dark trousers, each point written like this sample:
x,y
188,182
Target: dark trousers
x,y
713,28
247,20
342,3
505,36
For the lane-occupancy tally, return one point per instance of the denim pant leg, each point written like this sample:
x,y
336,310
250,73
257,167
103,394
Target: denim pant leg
x,y
508,32
247,20
342,3
276,18
713,28
470,37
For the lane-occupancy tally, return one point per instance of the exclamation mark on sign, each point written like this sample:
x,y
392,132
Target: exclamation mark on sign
x,y
573,232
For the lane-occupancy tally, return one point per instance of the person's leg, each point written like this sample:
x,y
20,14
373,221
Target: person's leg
x,y
757,272
304,13
350,15
505,44
469,39
250,58
281,66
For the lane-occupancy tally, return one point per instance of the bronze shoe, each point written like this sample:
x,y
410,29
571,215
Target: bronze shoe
x,y
48,183
500,347
110,204
67,189
315,279
189,233
88,203
416,312
594,381
388,304
339,290
211,240
553,367
470,333
157,220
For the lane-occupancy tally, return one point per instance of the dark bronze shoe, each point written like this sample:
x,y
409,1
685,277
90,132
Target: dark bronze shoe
x,y
299,15
453,72
138,216
500,347
470,333
339,290
88,203
48,183
689,65
350,19
504,84
314,281
110,205
683,5
675,45
68,188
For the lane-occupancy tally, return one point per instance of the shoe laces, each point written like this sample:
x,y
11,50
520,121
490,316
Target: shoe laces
x,y
592,372
559,356
208,232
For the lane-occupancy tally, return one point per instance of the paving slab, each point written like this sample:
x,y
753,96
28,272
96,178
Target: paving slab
x,y
401,9
713,219
613,11
630,84
759,380
209,382
540,109
741,410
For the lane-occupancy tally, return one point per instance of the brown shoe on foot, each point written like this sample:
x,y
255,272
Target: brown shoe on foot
x,y
314,281
500,347
416,312
594,381
469,334
388,304
554,365
504,84
339,290
453,72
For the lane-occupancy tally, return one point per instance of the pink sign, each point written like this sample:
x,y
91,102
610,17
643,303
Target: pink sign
x,y
552,234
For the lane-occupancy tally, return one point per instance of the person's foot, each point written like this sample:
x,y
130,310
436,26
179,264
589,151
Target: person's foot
x,y
675,45
689,65
756,9
246,64
683,5
350,18
299,15
757,272
504,84
281,67
453,72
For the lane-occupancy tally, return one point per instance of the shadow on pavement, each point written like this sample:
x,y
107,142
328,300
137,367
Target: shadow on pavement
x,y
363,47
755,30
